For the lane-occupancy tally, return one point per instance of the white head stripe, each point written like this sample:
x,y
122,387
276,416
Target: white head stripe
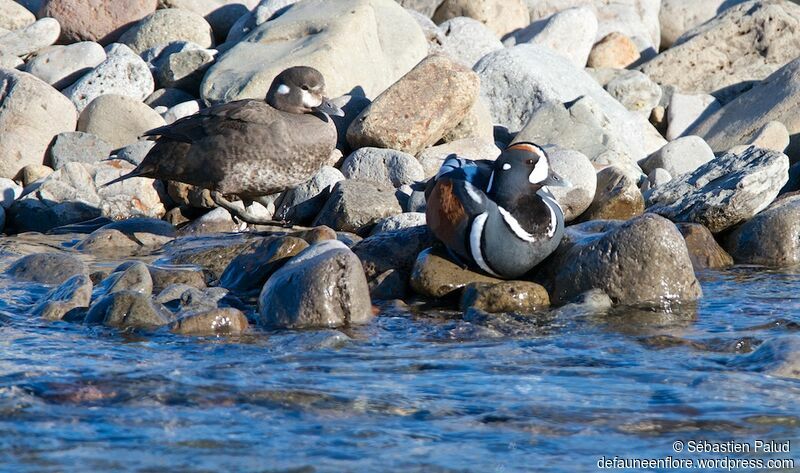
x,y
475,242
283,89
310,101
472,192
514,225
539,173
506,167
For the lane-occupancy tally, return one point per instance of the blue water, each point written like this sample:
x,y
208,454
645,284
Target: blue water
x,y
413,391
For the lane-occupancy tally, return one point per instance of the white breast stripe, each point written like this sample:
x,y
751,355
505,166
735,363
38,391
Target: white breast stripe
x,y
475,242
472,192
540,171
310,101
491,181
514,225
283,89
551,205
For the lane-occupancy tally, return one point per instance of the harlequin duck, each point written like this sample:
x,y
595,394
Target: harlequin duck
x,y
497,215
248,148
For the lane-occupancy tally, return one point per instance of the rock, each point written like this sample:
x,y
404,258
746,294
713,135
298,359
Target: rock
x,y
182,110
501,16
354,205
643,261
773,135
418,109
47,268
166,26
435,276
383,166
777,357
122,73
389,285
128,310
217,220
89,20
251,269
468,40
773,99
134,153
220,14
685,111
507,296
264,11
366,43
724,192
704,251
426,7
570,32
477,124
635,91
222,321
128,235
129,277
30,39
322,287
617,197
9,61
118,119
78,147
190,299
615,50
470,148
769,238
679,16
679,157
214,256
31,114
745,43
578,170
299,204
393,250
61,66
399,222
33,172
74,293
14,16
185,70
168,98
656,177
165,276
9,192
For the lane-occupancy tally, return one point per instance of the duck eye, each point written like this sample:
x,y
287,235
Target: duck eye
x,y
530,161
304,87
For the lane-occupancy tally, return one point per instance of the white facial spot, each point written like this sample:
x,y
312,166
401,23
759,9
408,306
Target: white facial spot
x,y
283,89
540,171
506,167
310,101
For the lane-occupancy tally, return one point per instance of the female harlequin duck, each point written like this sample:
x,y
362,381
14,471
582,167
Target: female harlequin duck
x,y
497,215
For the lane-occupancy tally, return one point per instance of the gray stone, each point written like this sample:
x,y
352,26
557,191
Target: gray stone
x,y
571,33
130,277
31,38
60,66
78,147
469,148
679,16
168,98
426,7
468,40
182,110
617,197
217,220
62,301
185,70
9,61
263,12
635,91
166,26
221,321
724,192
356,205
14,16
399,222
134,153
108,241
299,204
322,287
656,177
383,166
47,268
679,157
220,14
576,168
128,310
393,250
501,16
779,357
684,111
117,119
770,238
251,269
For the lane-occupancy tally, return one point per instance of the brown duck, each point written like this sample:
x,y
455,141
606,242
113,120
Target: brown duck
x,y
248,148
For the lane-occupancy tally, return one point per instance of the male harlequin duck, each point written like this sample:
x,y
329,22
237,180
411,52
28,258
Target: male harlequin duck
x,y
248,148
497,215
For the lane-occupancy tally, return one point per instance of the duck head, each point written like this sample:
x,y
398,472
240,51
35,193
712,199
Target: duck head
x,y
522,169
301,90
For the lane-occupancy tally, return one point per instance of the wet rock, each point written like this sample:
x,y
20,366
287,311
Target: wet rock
x,y
166,26
324,286
89,20
398,222
14,16
165,276
389,285
570,32
468,40
128,310
185,298
366,43
469,148
704,251
576,168
78,147
383,166
501,16
31,38
213,256
614,50
396,249
253,266
685,111
417,110
435,276
122,73
185,70
60,66
745,43
775,357
145,232
118,119
617,197
222,321
356,205
770,238
168,98
643,261
61,302
507,296
317,234
108,241
679,16
32,113
477,125
635,91
217,220
680,156
724,192
591,302
130,277
47,268
302,203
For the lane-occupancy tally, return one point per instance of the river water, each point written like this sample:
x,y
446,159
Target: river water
x,y
413,391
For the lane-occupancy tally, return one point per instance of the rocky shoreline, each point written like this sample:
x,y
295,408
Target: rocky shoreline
x,y
674,126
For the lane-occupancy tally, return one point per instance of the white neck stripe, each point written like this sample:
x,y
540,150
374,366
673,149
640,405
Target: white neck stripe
x,y
475,242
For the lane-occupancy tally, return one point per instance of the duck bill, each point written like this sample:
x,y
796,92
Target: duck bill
x,y
555,180
329,108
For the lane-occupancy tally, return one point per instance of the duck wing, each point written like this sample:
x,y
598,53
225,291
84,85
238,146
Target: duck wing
x,y
215,119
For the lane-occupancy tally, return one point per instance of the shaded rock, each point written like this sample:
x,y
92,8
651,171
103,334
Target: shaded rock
x,y
643,261
189,195
145,231
185,70
770,238
635,91
501,16
134,153
617,197
74,293
47,268
264,11
316,234
9,192
165,276
354,205
398,222
397,249
128,310
426,7
724,192
60,66
685,111
435,276
383,166
118,119
166,26
366,43
108,241
614,50
578,170
302,203
389,285
214,255
323,286
129,277
89,20
222,321
78,147
570,32
220,14
31,38
704,251
507,296
468,40
255,264
469,148
31,114
14,16
184,298
679,16
679,157
168,98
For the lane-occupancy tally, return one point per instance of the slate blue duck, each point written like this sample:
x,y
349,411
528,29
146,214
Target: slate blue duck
x,y
497,216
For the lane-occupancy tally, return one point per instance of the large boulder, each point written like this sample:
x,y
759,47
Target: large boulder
x,y
501,16
14,16
31,114
60,66
725,191
95,20
167,26
356,205
770,238
570,32
324,286
47,268
384,166
117,119
468,40
366,43
679,16
30,39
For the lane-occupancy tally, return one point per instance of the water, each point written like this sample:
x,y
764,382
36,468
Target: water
x,y
413,391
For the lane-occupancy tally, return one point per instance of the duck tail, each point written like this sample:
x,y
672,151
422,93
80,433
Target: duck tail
x,y
138,172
